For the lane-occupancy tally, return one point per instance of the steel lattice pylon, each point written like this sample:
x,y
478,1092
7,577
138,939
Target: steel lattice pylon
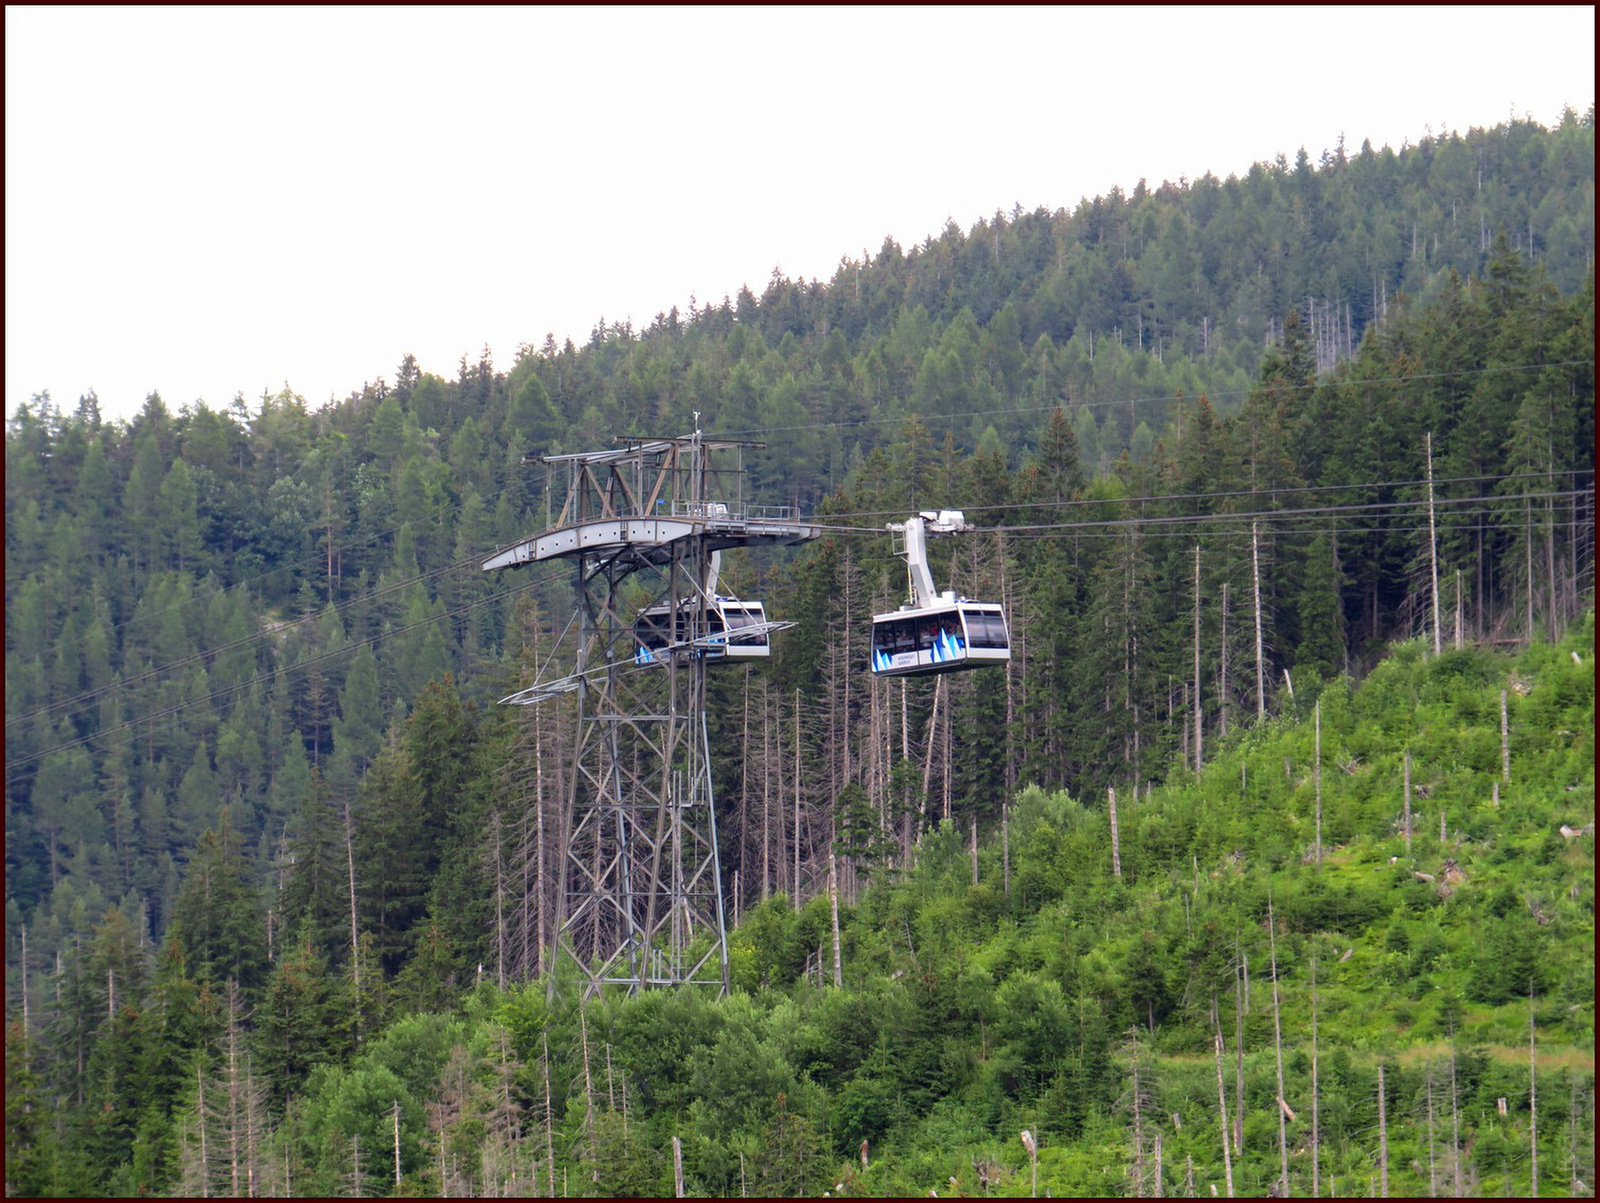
x,y
640,893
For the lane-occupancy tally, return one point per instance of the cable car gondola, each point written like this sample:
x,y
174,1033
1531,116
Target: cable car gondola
x,y
734,629
936,632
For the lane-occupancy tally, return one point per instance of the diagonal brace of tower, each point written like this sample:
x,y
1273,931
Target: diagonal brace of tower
x,y
639,899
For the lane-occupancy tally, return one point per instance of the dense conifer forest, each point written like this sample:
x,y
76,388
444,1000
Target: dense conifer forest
x,y
1265,866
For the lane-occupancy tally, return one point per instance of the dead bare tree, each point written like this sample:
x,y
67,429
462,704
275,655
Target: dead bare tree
x,y
445,1112
1222,1103
1458,610
1277,1045
1316,1128
1433,544
1241,1003
799,778
1222,680
1116,845
221,1139
1533,1103
528,781
1138,1100
1406,814
549,1113
502,1154
766,795
1383,1134
833,908
1316,773
1138,1128
1433,1175
588,1083
933,741
1505,742
1575,1182
541,911
743,814
1261,662
1455,1121
1199,758
355,929
972,845
1527,510
26,1025
1005,844
1184,752
355,1179
1013,672
195,1173
947,750
234,1095
495,852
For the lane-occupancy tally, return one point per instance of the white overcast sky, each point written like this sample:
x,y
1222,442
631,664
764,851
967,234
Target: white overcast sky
x,y
205,202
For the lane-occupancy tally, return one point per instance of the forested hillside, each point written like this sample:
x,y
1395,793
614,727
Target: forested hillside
x,y
1377,907
1227,442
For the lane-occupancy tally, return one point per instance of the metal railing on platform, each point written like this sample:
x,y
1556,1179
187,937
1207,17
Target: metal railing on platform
x,y
725,511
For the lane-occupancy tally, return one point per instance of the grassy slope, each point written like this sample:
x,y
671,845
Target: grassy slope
x,y
1406,967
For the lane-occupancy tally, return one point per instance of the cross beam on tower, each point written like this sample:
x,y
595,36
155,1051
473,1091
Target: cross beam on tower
x,y
640,887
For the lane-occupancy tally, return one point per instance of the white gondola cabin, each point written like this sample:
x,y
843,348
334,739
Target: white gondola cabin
x,y
948,637
734,630
936,632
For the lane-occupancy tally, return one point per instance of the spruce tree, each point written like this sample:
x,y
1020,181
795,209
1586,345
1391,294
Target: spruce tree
x,y
218,918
